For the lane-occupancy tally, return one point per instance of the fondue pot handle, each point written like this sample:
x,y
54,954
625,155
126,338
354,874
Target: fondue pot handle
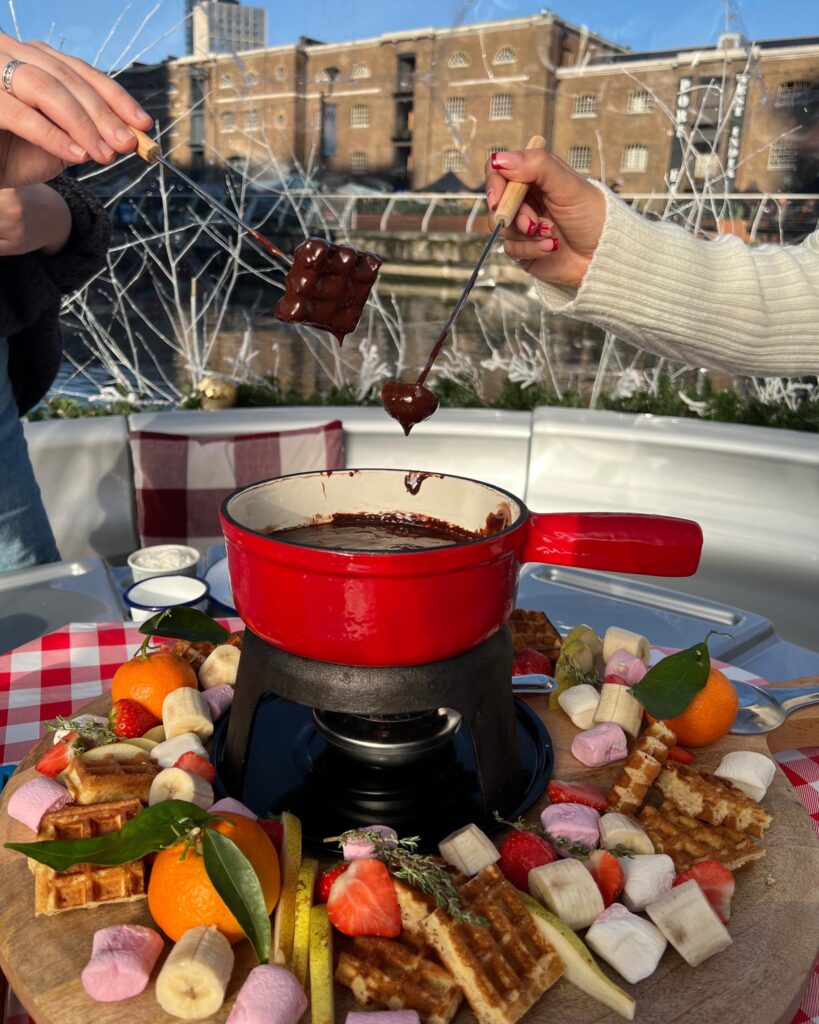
x,y
614,542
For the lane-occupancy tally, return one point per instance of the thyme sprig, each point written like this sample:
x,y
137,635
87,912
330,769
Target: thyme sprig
x,y
420,871
88,730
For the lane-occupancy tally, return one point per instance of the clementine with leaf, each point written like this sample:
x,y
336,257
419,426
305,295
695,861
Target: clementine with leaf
x,y
149,678
710,714
181,896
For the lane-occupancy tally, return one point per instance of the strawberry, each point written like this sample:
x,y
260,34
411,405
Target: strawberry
x,y
324,882
577,793
678,754
57,757
716,881
362,901
129,719
606,871
528,660
519,853
195,764
275,831
615,679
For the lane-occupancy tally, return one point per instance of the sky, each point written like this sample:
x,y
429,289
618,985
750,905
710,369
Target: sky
x,y
151,29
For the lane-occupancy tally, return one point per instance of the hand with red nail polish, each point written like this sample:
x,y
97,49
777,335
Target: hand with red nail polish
x,y
559,222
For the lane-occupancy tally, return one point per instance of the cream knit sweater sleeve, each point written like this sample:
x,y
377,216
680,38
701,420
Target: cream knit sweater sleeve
x,y
723,304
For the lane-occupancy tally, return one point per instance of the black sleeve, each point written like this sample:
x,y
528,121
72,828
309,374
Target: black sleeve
x,y
84,253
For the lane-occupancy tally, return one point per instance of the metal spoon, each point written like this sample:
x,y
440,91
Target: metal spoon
x,y
763,710
533,683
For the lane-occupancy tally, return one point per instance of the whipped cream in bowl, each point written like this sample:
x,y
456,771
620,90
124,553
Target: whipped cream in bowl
x,y
163,560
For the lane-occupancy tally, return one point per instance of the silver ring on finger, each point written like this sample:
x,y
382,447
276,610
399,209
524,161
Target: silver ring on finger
x,y
8,74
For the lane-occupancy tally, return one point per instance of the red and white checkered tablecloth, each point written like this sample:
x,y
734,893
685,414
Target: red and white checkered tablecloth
x,y
62,671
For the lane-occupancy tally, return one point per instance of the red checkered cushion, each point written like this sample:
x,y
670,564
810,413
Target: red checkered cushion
x,y
181,480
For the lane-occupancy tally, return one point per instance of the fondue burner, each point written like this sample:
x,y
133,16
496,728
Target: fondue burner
x,y
422,748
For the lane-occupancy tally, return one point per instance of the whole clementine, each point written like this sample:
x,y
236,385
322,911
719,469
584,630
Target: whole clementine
x,y
181,896
150,678
710,714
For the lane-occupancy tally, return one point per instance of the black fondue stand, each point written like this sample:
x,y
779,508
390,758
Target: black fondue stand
x,y
476,683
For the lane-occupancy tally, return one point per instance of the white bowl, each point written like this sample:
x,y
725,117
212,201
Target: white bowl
x,y
163,560
148,597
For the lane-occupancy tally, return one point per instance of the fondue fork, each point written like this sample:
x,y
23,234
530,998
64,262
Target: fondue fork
x,y
148,149
533,683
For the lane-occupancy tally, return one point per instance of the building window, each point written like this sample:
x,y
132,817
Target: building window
x,y
455,109
790,93
358,161
317,120
706,166
359,116
228,124
505,55
458,60
323,76
584,106
453,160
251,79
361,71
280,74
580,158
639,102
501,106
781,156
495,149
635,158
280,120
251,120
227,82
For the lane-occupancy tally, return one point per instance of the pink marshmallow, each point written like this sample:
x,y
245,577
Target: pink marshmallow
x,y
600,745
218,700
575,823
232,806
358,849
383,1017
630,668
271,995
122,958
35,798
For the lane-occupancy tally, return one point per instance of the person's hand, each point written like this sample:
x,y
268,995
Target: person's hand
x,y
33,218
62,112
560,221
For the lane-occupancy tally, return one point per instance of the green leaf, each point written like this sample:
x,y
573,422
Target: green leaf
x,y
667,689
185,624
238,884
154,828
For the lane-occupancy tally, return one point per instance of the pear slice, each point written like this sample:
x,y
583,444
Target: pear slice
x,y
143,743
308,872
581,967
284,925
157,734
119,751
321,967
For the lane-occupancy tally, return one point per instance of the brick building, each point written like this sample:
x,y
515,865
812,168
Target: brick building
x,y
408,107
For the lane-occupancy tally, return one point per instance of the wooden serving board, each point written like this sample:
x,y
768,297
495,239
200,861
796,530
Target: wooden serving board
x,y
758,980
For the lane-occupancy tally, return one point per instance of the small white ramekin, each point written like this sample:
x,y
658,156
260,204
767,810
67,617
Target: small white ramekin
x,y
188,561
150,596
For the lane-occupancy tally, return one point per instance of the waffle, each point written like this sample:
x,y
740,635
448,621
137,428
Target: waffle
x,y
716,801
86,885
109,779
415,906
688,841
193,653
503,969
641,768
532,629
394,975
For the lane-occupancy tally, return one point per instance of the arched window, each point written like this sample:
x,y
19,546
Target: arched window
x,y
280,120
251,79
361,71
458,60
280,74
505,55
323,77
227,82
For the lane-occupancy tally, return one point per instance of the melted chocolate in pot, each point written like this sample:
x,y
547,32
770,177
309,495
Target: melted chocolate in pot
x,y
363,532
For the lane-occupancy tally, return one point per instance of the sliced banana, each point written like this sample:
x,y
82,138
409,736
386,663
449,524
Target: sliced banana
x,y
220,667
617,639
186,710
620,830
619,706
176,784
567,889
193,979
580,703
119,752
168,753
689,922
469,850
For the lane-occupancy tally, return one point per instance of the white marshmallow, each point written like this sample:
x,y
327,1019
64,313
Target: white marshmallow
x,y
630,944
647,876
580,703
749,771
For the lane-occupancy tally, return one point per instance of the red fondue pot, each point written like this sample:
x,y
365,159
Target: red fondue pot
x,y
407,608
